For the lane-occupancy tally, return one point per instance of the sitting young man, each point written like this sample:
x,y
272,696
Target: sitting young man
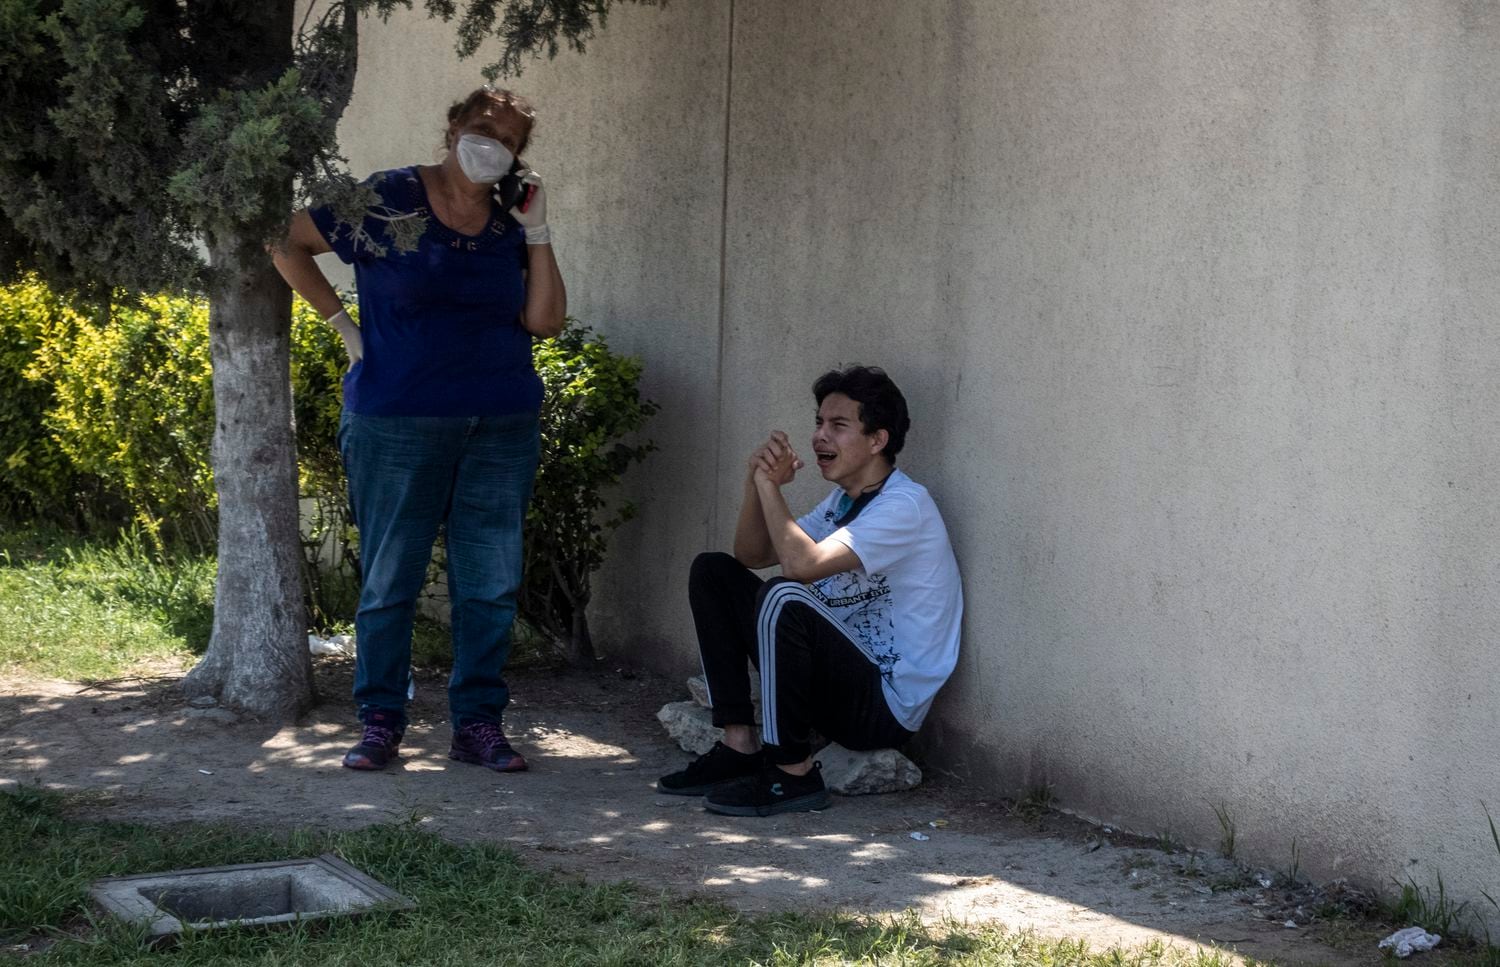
x,y
859,632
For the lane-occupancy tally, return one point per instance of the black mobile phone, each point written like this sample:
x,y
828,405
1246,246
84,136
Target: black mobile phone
x,y
511,191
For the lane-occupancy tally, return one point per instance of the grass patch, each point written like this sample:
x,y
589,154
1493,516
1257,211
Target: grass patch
x,y
1036,802
1435,912
76,608
477,904
1226,830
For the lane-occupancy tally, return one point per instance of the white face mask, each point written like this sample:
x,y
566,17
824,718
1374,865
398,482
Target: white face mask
x,y
484,160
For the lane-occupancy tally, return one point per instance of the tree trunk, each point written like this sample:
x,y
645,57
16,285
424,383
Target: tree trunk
x,y
581,640
258,659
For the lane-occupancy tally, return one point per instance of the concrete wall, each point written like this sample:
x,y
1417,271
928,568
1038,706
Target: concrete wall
x,y
1195,308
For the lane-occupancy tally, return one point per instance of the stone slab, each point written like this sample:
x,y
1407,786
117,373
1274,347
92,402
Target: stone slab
x,y
853,773
846,772
690,725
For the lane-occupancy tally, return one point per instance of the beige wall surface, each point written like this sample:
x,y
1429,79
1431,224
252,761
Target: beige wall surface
x,y
1195,308
630,142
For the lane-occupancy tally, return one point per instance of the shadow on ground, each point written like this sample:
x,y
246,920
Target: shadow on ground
x,y
588,807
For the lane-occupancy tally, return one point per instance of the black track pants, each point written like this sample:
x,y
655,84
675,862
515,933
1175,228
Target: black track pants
x,y
812,675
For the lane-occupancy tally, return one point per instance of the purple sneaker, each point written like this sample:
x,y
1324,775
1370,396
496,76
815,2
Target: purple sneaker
x,y
381,743
483,743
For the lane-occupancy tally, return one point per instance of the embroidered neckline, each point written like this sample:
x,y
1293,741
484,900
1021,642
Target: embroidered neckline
x,y
494,229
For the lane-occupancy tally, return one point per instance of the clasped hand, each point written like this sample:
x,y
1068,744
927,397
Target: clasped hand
x,y
775,460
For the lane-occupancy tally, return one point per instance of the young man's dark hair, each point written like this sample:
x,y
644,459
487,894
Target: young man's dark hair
x,y
881,405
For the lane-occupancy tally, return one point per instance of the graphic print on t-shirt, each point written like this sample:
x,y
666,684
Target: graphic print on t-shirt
x,y
903,605
863,603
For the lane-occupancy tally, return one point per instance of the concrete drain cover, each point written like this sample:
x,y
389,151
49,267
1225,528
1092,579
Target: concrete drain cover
x,y
284,891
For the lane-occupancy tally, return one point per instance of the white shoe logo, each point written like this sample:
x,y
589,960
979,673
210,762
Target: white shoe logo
x,y
776,790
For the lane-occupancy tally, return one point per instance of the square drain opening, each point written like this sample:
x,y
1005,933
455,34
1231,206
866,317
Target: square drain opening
x,y
250,893
272,897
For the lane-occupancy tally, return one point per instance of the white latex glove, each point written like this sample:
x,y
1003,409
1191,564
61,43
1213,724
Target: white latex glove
x,y
354,344
534,218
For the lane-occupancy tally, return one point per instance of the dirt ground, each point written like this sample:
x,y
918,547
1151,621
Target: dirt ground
x,y
587,807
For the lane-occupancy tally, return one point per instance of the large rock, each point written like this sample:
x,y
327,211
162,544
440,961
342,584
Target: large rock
x,y
690,725
846,772
852,773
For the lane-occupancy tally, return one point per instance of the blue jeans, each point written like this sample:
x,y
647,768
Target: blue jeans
x,y
409,475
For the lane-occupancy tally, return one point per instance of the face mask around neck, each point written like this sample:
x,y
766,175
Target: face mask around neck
x,y
484,160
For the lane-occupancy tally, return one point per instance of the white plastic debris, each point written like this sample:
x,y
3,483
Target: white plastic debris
x,y
1404,943
206,772
1265,881
337,645
920,837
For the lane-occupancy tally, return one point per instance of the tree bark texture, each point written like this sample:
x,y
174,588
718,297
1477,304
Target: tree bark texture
x,y
257,659
581,643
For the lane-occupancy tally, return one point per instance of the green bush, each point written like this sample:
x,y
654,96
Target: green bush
x,y
330,577
133,406
38,481
125,405
131,403
116,413
591,404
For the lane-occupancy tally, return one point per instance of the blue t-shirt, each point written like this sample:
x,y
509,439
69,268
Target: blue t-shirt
x,y
441,324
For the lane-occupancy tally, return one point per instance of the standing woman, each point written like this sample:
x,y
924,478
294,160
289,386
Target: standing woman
x,y
439,427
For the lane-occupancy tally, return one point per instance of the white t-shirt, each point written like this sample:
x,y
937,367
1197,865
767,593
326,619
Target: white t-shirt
x,y
903,606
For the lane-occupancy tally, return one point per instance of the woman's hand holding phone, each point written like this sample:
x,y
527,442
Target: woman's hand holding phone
x,y
531,210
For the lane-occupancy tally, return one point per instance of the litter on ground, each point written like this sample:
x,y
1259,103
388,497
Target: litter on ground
x,y
1404,943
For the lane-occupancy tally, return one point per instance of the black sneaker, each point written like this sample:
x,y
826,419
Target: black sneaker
x,y
380,743
718,765
769,792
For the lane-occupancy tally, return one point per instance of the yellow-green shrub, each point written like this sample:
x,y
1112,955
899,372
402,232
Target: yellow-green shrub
x,y
123,403
125,399
38,481
133,405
